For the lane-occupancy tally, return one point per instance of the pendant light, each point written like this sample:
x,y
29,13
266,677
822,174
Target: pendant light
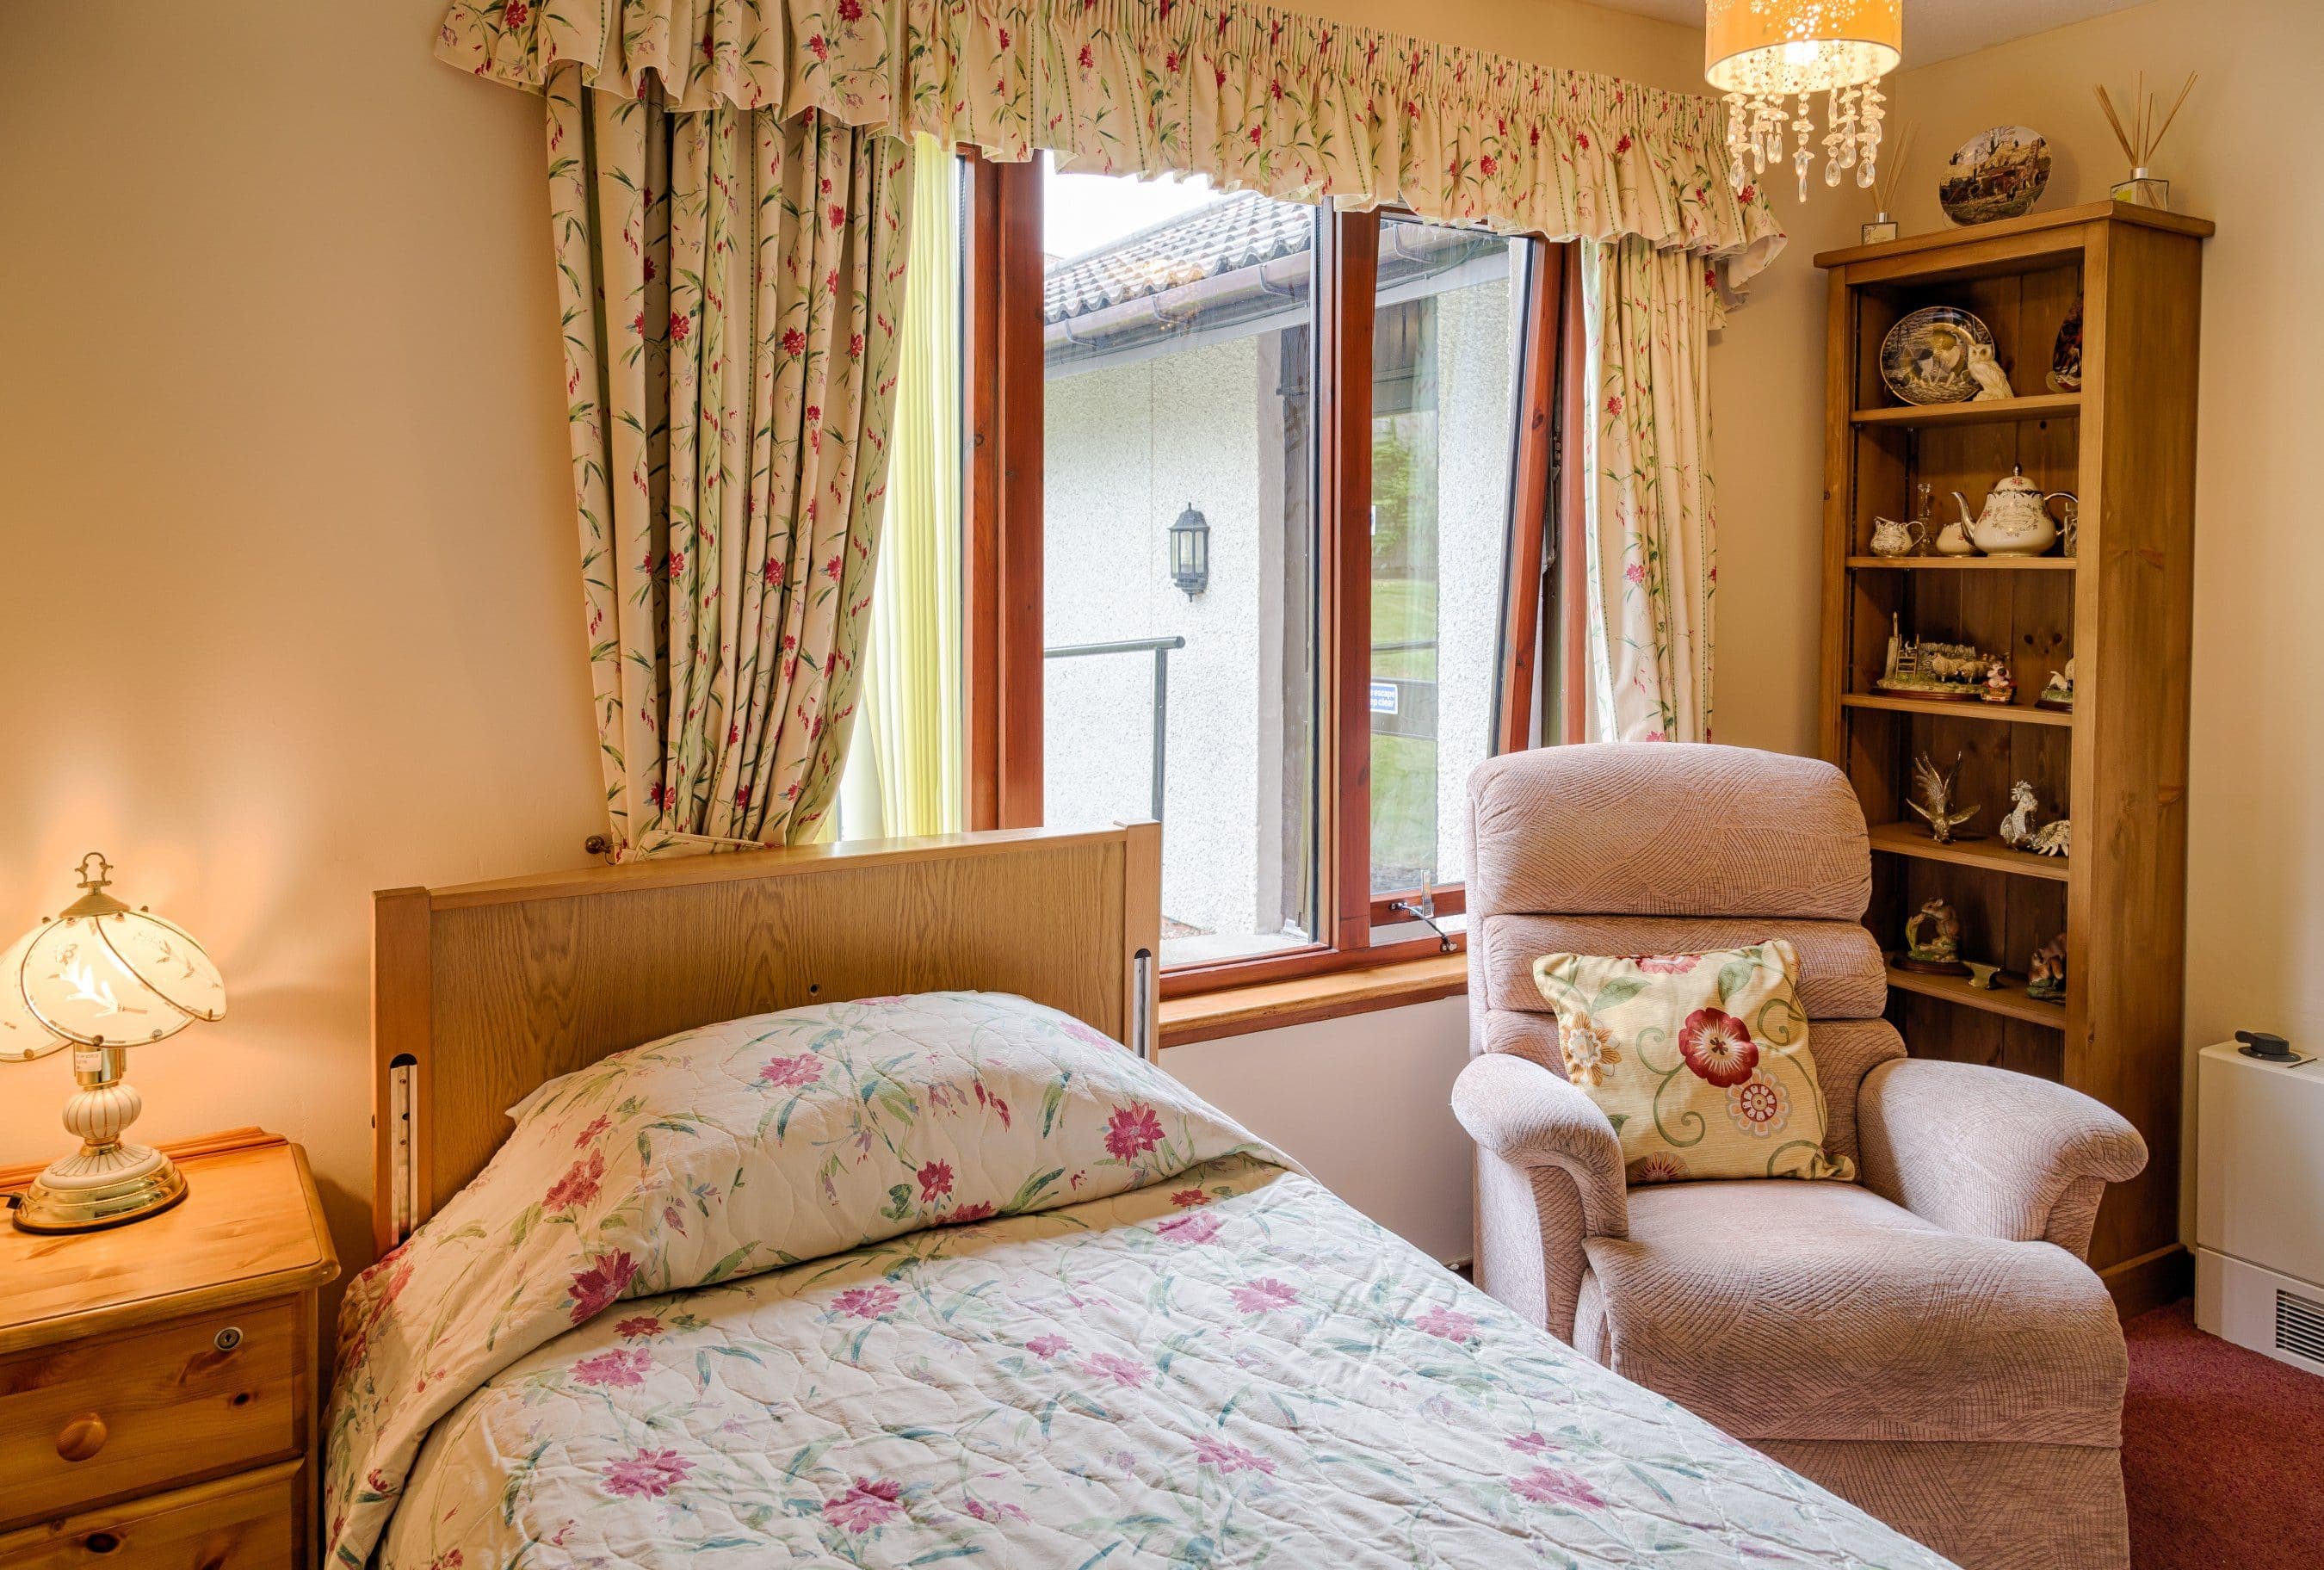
x,y
1762,53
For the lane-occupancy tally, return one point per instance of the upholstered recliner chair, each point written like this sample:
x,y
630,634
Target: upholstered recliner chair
x,y
1925,1341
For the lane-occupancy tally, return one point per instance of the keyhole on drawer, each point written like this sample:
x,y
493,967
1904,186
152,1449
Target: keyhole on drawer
x,y
100,1542
241,1399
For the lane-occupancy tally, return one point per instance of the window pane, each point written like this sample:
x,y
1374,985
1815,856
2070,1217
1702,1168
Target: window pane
x,y
1444,341
1179,512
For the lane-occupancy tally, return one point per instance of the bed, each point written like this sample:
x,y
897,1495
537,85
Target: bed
x,y
832,1222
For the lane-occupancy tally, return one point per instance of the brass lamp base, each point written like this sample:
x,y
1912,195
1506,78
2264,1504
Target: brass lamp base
x,y
100,1188
106,1181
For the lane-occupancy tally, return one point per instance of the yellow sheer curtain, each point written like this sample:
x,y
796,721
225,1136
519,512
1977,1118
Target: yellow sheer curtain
x,y
910,768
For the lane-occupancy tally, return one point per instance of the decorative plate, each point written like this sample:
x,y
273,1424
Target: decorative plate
x,y
1924,358
1996,174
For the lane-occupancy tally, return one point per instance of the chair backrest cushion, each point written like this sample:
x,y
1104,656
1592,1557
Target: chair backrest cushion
x,y
1633,847
1631,828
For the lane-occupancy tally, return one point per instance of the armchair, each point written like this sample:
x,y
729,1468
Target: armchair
x,y
1925,1341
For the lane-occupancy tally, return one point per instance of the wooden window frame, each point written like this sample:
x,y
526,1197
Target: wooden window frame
x,y
1002,406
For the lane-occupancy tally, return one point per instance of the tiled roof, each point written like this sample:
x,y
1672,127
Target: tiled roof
x,y
1242,230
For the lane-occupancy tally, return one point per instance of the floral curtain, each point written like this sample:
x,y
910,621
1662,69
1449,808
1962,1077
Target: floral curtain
x,y
730,283
1284,103
1650,528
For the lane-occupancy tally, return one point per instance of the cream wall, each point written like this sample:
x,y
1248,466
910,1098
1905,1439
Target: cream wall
x,y
2241,154
287,609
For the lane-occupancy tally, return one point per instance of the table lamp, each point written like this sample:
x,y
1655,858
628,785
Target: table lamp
x,y
101,978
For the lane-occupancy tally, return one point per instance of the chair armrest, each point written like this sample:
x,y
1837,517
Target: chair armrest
x,y
1991,1152
1528,1117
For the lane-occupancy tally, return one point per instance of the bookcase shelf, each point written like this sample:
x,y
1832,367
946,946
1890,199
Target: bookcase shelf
x,y
2123,445
2008,1000
1910,839
1962,563
2023,714
1994,412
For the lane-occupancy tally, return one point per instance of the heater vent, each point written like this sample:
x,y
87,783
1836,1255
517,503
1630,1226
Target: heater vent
x,y
2298,1325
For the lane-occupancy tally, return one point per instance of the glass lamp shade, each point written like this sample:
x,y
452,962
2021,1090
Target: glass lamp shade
x,y
1786,47
119,977
22,1036
105,978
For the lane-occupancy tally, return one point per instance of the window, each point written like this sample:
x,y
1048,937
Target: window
x,y
1255,499
1179,544
1448,313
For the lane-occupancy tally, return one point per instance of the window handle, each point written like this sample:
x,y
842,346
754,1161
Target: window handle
x,y
1424,910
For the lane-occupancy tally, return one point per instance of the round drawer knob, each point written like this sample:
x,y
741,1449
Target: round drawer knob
x,y
82,1437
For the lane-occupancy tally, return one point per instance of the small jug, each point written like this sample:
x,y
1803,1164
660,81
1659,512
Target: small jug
x,y
1890,538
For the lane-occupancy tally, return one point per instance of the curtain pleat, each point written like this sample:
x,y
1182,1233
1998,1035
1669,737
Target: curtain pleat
x,y
731,284
1292,105
1651,525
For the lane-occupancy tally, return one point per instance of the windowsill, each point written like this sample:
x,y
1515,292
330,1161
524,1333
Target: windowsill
x,y
1303,1000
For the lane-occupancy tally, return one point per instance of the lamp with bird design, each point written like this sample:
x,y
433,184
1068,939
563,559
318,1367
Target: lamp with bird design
x,y
100,977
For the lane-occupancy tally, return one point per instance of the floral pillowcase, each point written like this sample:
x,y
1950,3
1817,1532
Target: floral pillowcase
x,y
1700,1061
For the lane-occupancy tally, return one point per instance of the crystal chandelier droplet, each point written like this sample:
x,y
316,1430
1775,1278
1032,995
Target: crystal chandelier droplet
x,y
1761,53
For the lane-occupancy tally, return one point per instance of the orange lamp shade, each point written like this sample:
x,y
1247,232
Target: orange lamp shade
x,y
1785,48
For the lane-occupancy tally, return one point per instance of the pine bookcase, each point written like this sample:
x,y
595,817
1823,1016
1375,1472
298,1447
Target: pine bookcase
x,y
2120,607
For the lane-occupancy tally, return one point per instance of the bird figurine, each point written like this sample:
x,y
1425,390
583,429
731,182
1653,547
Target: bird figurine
x,y
2052,839
2017,829
1992,381
1935,793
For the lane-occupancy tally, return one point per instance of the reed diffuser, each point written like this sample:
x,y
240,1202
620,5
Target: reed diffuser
x,y
1884,187
2149,124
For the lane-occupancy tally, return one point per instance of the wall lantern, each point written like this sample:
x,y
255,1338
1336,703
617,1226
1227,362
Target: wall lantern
x,y
1190,551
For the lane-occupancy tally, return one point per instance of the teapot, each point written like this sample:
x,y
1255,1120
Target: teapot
x,y
2017,519
1890,538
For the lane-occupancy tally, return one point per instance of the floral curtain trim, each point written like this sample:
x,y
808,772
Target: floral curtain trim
x,y
1290,106
1650,532
730,285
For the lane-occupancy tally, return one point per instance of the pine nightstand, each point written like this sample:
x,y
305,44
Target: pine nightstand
x,y
159,1381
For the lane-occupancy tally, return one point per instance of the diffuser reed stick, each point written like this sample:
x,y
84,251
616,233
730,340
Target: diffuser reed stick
x,y
1889,180
2143,136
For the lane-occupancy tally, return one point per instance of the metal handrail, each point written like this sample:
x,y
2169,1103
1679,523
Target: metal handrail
x,y
1160,649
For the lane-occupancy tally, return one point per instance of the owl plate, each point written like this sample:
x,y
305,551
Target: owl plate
x,y
1924,358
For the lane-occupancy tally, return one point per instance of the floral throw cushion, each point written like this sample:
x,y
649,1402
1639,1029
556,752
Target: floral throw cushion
x,y
1700,1061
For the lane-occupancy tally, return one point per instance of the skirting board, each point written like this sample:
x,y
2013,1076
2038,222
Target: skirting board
x,y
2149,1281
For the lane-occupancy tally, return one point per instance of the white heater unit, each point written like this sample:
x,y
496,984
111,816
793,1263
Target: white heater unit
x,y
2259,1205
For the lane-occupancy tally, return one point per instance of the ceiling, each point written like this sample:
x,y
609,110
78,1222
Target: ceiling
x,y
1934,30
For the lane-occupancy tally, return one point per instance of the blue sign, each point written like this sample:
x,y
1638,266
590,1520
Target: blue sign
x,y
1383,696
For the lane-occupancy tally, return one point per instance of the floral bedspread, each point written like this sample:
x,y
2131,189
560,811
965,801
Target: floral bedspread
x,y
1173,1351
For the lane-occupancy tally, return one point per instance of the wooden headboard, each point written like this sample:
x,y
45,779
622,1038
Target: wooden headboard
x,y
481,993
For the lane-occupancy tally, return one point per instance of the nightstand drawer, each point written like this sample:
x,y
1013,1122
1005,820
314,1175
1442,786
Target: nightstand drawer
x,y
110,1416
250,1521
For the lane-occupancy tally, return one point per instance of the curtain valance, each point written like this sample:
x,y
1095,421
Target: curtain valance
x,y
1255,97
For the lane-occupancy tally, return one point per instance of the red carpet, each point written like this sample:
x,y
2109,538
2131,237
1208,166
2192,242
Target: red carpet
x,y
2222,1453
